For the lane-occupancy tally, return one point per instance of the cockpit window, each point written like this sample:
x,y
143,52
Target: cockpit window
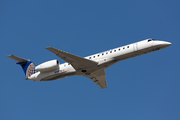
x,y
150,40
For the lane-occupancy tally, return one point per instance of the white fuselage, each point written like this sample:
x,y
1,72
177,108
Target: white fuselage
x,y
104,60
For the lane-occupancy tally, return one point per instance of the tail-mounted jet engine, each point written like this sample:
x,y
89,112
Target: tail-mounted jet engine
x,y
48,66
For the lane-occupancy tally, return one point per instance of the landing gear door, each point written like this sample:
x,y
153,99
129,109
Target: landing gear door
x,y
135,46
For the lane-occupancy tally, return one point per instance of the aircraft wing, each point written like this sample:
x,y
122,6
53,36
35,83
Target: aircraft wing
x,y
99,77
76,61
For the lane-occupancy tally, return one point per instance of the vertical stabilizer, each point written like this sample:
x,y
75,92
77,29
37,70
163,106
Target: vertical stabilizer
x,y
27,66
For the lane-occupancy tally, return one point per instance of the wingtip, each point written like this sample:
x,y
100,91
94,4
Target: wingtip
x,y
9,55
48,47
51,48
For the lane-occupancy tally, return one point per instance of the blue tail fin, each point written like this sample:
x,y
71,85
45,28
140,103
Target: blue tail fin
x,y
27,66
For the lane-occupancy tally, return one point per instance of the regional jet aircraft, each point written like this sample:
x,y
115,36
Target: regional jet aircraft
x,y
92,66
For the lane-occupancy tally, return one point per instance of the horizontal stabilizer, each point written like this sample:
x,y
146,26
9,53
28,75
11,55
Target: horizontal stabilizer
x,y
27,66
18,59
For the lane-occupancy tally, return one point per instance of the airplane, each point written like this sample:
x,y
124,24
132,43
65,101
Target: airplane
x,y
92,66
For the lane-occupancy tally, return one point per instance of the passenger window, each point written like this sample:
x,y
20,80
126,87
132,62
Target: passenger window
x,y
89,57
107,53
94,56
123,47
119,49
98,55
102,53
114,50
127,46
110,51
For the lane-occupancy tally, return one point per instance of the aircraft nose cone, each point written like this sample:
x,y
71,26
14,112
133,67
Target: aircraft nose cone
x,y
167,43
162,43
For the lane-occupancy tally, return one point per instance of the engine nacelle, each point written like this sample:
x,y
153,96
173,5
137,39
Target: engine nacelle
x,y
48,66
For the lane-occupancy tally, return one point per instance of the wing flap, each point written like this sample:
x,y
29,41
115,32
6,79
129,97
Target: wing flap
x,y
76,61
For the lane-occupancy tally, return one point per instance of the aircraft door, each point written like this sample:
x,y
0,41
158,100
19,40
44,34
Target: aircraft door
x,y
135,46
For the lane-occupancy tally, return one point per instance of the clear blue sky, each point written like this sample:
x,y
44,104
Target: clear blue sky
x,y
142,88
